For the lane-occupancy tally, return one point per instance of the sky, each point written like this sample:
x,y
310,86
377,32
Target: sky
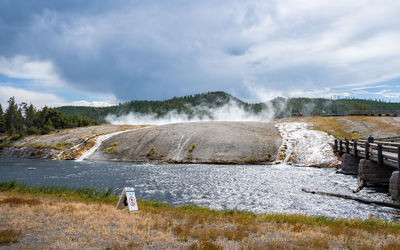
x,y
103,52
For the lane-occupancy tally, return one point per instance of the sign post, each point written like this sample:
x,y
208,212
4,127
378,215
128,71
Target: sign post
x,y
128,198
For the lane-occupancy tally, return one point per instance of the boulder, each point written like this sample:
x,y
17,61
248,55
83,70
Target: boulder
x,y
374,174
394,186
349,164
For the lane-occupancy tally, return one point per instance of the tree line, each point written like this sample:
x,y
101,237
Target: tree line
x,y
23,119
197,105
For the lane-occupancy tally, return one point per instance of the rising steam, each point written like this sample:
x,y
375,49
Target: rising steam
x,y
232,111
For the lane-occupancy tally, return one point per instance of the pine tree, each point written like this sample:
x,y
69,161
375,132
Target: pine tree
x,y
47,127
2,121
30,113
11,116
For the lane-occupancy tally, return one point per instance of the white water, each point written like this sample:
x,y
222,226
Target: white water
x,y
307,147
180,148
289,151
99,141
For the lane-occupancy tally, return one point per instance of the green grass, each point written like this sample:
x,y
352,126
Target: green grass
x,y
79,194
150,154
112,149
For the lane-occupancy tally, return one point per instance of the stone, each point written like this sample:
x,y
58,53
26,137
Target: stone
x,y
349,164
374,174
394,186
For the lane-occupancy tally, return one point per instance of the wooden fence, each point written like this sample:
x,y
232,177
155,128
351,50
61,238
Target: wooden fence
x,y
384,151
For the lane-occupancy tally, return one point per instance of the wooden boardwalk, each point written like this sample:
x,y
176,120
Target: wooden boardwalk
x,y
384,151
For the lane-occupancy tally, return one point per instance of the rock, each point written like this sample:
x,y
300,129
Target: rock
x,y
374,174
394,186
349,164
26,152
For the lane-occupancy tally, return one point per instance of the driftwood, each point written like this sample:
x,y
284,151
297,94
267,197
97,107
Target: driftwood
x,y
381,203
361,185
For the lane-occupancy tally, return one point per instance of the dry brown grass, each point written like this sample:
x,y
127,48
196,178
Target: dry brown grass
x,y
9,236
352,127
18,201
205,245
57,223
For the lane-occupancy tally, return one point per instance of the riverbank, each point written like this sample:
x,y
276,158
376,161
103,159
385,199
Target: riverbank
x,y
302,141
54,217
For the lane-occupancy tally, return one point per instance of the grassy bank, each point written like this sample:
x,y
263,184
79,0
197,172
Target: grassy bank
x,y
60,217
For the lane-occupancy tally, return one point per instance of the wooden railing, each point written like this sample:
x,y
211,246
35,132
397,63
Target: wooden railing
x,y
385,151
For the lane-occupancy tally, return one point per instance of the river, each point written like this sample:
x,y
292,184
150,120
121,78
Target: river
x,y
256,188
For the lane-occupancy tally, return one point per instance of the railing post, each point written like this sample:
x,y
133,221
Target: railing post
x,y
380,155
355,148
367,151
398,157
335,150
340,147
347,146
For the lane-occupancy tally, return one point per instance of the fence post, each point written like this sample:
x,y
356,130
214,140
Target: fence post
x,y
398,157
380,155
355,148
347,146
341,147
367,151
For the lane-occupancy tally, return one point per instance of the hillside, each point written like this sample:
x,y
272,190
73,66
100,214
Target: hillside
x,y
197,142
182,105
202,105
302,141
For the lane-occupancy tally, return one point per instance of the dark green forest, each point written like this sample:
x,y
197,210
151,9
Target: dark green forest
x,y
22,119
201,105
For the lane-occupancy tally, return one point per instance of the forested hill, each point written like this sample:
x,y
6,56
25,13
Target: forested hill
x,y
182,105
201,105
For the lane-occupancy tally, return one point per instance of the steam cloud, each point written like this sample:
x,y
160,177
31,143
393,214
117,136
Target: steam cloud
x,y
231,111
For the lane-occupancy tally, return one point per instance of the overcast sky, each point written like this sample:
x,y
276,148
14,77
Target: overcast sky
x,y
98,52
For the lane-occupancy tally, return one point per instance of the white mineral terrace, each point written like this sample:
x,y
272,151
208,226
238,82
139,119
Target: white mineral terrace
x,y
100,139
306,147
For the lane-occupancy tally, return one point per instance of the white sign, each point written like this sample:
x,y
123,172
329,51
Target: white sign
x,y
128,198
132,204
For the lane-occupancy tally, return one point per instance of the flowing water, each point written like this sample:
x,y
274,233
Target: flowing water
x,y
257,188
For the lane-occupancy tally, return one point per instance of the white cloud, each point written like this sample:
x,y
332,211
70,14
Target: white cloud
x,y
22,67
39,99
90,104
157,49
21,95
